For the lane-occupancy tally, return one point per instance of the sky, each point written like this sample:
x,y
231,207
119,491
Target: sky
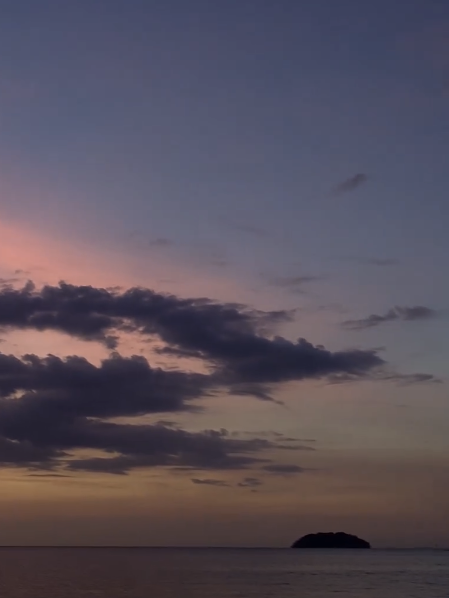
x,y
223,248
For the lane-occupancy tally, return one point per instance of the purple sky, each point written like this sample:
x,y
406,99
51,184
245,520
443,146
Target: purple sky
x,y
283,156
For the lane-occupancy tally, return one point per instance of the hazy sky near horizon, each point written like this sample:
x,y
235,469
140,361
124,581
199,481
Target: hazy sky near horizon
x,y
286,162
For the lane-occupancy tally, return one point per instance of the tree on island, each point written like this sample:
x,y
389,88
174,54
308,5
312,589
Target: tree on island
x,y
330,540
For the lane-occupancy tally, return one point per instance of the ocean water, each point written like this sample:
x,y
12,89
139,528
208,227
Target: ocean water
x,y
221,573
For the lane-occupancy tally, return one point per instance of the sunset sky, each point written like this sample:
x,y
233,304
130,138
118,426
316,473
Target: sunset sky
x,y
223,271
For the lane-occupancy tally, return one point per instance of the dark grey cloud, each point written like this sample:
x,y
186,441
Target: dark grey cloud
x,y
119,386
408,379
31,439
294,280
387,376
120,465
50,407
282,469
181,451
248,482
74,310
350,184
294,447
406,314
230,337
96,314
210,482
259,360
25,454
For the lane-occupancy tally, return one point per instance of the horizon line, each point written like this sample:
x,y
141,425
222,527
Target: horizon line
x,y
187,547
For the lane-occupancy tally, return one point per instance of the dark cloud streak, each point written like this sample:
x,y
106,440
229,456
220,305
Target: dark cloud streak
x,y
405,314
210,482
350,184
250,483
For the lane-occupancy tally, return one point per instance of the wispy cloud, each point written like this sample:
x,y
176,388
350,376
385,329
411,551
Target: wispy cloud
x,y
409,379
210,482
250,483
405,314
385,375
371,261
350,184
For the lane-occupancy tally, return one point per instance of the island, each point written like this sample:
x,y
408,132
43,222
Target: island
x,y
330,540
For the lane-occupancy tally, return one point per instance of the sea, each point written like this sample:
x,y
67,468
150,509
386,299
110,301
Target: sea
x,y
222,573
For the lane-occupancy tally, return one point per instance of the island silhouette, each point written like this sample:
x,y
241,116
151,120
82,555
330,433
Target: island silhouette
x,y
330,540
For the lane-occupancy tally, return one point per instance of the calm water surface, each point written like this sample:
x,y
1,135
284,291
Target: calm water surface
x,y
221,573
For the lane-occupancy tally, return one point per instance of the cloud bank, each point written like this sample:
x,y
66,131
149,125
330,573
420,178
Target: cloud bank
x,y
52,407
